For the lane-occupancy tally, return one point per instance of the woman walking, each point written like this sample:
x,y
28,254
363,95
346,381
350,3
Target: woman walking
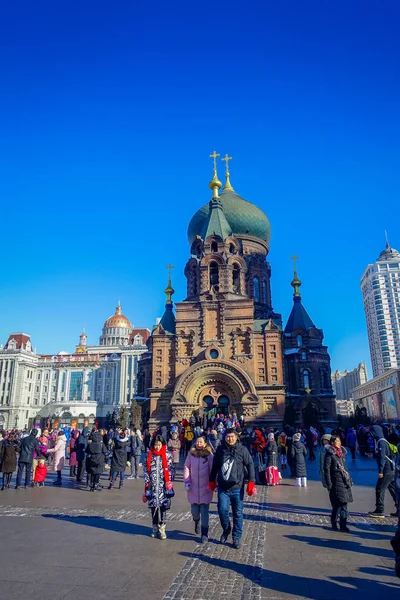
x,y
73,461
96,453
59,456
174,447
8,459
196,475
119,459
271,455
325,443
298,455
158,488
338,482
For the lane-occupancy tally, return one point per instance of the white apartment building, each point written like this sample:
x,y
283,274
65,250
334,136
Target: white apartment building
x,y
380,286
70,388
344,382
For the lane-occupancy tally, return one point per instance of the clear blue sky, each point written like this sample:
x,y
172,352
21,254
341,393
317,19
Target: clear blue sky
x,y
109,112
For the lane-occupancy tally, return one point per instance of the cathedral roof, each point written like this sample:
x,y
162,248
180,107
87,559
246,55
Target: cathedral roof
x,y
243,217
168,319
216,222
118,320
299,317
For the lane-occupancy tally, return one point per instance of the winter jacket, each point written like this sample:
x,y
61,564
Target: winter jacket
x,y
338,480
73,444
28,446
213,441
8,457
119,455
229,465
322,465
155,482
174,446
95,455
59,453
298,455
81,444
384,457
271,454
135,445
351,439
196,474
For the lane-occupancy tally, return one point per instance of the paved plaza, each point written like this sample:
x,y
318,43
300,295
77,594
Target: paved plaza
x,y
68,543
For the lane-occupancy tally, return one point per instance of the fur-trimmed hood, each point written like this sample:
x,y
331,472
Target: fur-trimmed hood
x,y
203,453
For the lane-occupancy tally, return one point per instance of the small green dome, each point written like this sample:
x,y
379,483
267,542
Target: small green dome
x,y
243,217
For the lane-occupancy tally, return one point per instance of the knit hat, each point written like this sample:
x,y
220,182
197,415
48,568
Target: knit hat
x,y
327,437
297,437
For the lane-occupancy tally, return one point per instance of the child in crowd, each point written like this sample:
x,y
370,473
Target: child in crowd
x,y
40,473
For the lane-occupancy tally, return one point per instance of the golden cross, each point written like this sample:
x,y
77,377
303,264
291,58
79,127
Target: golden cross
x,y
169,267
227,159
294,258
214,156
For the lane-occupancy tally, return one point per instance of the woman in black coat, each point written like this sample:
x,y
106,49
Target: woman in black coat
x,y
338,482
8,460
119,459
298,455
95,458
271,459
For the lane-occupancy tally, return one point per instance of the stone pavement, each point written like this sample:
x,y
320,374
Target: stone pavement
x,y
61,543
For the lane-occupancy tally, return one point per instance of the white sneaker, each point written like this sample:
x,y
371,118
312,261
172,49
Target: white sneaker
x,y
131,477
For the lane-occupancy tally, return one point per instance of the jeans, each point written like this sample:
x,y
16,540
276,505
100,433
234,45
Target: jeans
x,y
135,459
28,469
353,452
234,499
201,510
383,484
114,476
339,511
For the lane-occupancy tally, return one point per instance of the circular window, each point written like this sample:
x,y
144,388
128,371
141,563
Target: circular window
x,y
214,353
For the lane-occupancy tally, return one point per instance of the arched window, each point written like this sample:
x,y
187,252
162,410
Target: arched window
x,y
256,285
306,379
265,292
303,356
193,275
214,247
231,248
214,277
299,340
236,279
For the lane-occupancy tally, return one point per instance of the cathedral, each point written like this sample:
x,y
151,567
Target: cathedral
x,y
223,349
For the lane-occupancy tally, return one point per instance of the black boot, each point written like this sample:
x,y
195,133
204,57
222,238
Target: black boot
x,y
334,524
343,525
204,535
197,527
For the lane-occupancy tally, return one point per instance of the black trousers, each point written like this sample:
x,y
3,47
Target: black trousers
x,y
28,471
159,516
339,511
384,483
81,470
94,480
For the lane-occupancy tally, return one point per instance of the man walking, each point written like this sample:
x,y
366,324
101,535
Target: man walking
x,y
135,450
28,446
386,472
228,471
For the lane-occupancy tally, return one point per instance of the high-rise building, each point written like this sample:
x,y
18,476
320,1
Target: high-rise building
x,y
380,286
344,382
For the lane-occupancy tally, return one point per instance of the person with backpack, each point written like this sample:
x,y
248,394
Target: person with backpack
x,y
385,457
189,437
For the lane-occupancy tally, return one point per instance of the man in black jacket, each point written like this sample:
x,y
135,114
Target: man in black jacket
x,y
230,463
81,446
386,468
28,446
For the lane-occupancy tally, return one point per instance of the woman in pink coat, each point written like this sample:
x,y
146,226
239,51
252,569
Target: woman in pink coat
x,y
196,475
59,455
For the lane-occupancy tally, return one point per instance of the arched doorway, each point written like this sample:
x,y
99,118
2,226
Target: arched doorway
x,y
311,417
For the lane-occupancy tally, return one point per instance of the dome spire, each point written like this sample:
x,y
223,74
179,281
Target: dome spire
x,y
215,183
227,187
296,283
118,310
169,290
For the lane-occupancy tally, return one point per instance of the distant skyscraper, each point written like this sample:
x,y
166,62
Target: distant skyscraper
x,y
380,286
344,382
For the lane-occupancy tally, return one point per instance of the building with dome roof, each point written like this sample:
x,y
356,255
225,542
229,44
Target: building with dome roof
x,y
222,349
71,388
380,286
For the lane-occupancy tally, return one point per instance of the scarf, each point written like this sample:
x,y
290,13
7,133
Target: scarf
x,y
338,452
163,454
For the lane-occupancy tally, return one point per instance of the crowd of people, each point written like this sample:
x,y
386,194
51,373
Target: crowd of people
x,y
221,454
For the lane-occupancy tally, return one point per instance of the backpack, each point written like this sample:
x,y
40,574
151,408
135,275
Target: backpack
x,y
392,449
